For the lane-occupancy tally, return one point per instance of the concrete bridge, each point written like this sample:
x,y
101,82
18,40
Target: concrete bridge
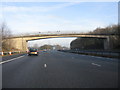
x,y
20,42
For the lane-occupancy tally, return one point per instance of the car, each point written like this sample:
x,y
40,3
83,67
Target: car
x,y
33,51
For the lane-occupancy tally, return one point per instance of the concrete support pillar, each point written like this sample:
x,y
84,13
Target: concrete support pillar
x,y
108,44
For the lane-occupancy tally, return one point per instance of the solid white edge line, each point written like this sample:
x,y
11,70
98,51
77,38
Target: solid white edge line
x,y
11,59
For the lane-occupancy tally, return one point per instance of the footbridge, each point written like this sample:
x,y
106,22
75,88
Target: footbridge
x,y
20,42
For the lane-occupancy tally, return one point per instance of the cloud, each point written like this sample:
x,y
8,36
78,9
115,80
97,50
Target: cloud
x,y
44,23
36,8
1,16
22,21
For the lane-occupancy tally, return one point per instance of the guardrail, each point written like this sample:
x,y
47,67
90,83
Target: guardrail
x,y
95,53
10,53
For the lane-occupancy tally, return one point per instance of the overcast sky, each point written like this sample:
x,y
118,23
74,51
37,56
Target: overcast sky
x,y
24,17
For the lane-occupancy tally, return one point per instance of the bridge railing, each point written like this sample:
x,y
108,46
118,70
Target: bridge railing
x,y
57,33
48,33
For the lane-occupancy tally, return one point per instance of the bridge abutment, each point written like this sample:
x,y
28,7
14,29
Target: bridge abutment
x,y
20,44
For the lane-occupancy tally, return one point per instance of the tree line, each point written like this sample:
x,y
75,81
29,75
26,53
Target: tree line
x,y
97,43
49,47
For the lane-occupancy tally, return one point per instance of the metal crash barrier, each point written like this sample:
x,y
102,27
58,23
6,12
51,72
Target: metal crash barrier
x,y
96,53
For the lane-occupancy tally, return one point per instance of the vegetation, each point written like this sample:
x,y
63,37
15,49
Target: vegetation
x,y
46,47
5,33
49,47
112,29
95,43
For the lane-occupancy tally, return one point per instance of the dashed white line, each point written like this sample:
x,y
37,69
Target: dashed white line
x,y
45,65
11,59
72,57
96,64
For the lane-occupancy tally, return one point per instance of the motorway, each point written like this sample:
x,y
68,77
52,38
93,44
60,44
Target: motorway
x,y
55,69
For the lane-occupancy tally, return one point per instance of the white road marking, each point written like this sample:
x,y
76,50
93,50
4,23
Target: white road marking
x,y
96,64
96,56
45,65
11,59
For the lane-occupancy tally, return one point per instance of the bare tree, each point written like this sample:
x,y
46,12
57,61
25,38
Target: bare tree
x,y
5,34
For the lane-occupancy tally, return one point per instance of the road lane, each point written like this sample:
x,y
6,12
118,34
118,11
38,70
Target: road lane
x,y
55,69
4,58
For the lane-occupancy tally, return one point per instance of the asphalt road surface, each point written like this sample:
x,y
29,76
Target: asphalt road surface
x,y
54,69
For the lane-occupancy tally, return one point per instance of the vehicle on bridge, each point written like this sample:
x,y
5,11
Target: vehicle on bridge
x,y
33,51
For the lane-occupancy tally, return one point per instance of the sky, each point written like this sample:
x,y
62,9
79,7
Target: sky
x,y
34,17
